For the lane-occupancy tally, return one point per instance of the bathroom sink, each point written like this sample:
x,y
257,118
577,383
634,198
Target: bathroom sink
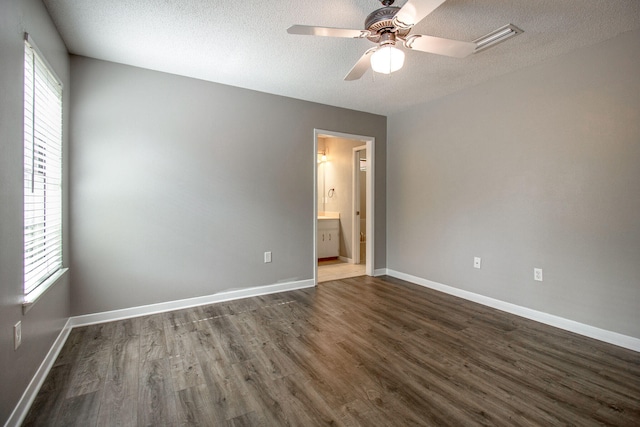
x,y
328,215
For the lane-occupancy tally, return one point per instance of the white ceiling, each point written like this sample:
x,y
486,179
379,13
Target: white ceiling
x,y
245,43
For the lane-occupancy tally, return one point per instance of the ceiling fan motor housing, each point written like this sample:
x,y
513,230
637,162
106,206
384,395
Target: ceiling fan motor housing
x,y
381,21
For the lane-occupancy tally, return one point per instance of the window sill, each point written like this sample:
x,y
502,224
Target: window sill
x,y
34,296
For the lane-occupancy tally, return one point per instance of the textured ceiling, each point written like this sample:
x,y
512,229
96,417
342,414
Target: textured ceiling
x,y
245,43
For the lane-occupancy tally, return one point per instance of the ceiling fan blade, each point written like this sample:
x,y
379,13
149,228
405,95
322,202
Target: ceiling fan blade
x,y
308,30
361,66
415,11
440,46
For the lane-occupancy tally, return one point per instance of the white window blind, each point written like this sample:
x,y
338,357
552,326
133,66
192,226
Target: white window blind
x,y
42,171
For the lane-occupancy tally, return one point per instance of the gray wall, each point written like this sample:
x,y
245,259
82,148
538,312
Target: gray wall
x,y
47,317
539,168
180,185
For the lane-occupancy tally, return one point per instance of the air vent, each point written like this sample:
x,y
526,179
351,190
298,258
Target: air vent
x,y
497,36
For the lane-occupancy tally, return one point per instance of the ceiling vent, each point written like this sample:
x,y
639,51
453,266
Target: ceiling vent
x,y
497,36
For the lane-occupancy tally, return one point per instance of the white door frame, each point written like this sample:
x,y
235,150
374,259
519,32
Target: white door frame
x,y
369,142
355,202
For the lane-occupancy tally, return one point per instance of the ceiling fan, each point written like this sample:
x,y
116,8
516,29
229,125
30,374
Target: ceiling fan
x,y
385,27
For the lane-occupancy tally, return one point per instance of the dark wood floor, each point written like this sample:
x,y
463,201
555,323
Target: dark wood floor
x,y
359,351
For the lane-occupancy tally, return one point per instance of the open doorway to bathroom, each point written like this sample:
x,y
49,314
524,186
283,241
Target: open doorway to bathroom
x,y
344,194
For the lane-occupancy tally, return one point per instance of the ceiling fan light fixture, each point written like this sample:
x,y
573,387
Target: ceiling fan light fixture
x,y
387,59
389,24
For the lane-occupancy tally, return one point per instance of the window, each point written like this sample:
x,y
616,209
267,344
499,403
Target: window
x,y
42,174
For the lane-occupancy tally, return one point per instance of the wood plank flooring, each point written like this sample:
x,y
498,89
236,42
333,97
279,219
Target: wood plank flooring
x,y
360,351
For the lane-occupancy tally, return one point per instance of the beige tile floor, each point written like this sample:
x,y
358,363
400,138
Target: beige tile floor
x,y
336,270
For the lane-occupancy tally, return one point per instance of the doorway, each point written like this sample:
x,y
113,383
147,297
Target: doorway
x,y
343,205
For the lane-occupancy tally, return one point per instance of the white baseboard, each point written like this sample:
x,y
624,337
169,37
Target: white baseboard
x,y
345,259
380,272
610,337
22,408
126,313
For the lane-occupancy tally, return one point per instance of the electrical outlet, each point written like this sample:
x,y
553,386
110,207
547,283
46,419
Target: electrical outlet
x,y
477,262
17,335
267,257
537,274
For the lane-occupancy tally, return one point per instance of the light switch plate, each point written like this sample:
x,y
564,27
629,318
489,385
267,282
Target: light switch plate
x,y
267,257
477,262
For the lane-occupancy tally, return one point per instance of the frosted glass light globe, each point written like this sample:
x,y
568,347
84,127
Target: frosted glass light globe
x,y
387,59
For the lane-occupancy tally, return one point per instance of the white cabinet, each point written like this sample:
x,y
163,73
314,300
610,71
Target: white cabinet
x,y
328,238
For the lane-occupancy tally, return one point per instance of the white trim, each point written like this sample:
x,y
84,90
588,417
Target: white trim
x,y
32,297
370,144
347,260
32,45
24,404
126,313
355,201
610,337
315,207
380,272
371,204
322,132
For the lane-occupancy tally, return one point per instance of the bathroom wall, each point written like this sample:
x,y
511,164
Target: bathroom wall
x,y
321,176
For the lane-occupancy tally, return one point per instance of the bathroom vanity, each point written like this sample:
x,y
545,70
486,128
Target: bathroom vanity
x,y
328,239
